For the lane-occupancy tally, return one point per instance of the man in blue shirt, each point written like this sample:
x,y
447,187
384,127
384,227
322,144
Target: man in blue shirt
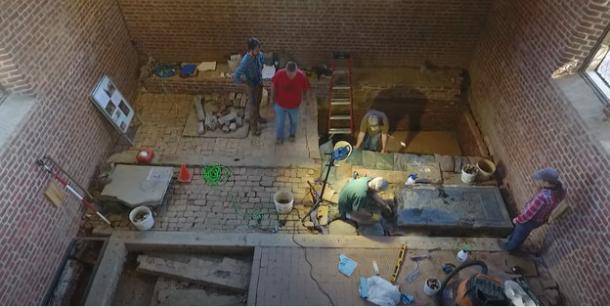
x,y
251,67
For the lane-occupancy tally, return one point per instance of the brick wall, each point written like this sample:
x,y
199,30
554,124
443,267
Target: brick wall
x,y
62,47
412,99
530,124
375,31
197,86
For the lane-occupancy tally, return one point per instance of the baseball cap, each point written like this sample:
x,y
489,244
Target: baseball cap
x,y
379,184
548,174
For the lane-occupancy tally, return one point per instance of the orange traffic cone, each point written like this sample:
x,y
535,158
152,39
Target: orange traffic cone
x,y
185,176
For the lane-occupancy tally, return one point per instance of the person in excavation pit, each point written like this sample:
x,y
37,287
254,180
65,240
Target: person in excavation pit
x,y
360,202
288,89
251,67
538,210
373,133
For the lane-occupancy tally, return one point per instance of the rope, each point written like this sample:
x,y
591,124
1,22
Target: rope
x,y
215,174
256,214
311,276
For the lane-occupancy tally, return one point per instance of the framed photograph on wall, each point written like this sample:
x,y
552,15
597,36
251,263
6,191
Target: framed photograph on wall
x,y
113,105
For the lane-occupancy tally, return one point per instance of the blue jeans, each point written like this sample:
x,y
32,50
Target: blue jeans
x,y
280,114
519,234
372,142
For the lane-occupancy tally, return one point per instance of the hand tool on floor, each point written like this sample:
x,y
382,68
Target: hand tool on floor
x,y
412,276
51,167
399,260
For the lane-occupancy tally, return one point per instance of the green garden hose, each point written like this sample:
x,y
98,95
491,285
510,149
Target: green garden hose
x,y
215,174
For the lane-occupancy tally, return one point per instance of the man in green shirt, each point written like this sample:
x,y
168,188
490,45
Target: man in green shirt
x,y
373,133
359,200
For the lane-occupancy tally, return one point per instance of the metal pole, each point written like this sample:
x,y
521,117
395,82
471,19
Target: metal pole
x,y
67,186
331,163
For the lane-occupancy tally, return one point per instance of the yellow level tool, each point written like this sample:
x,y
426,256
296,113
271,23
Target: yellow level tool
x,y
399,260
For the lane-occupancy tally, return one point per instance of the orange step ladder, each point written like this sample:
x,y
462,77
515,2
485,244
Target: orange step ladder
x,y
340,99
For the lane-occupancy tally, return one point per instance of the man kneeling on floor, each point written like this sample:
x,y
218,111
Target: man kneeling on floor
x,y
359,201
373,133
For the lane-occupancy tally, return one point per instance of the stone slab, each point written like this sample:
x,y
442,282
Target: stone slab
x,y
137,185
450,207
395,177
373,164
377,160
425,166
230,273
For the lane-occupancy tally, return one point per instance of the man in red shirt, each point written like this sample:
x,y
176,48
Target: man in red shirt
x,y
288,88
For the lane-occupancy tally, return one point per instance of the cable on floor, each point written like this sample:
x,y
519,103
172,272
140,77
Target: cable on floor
x,y
315,280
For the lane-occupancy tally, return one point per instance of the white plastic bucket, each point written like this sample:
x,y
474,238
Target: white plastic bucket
x,y
432,286
283,201
486,169
142,218
469,178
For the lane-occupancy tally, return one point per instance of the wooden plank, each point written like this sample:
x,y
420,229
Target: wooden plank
x,y
55,193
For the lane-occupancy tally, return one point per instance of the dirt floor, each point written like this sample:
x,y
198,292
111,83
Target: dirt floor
x,y
425,142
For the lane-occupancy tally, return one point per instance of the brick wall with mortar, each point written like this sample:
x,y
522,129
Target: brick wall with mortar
x,y
413,99
62,47
377,32
530,124
198,86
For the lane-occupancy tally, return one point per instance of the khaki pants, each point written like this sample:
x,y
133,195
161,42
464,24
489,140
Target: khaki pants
x,y
255,93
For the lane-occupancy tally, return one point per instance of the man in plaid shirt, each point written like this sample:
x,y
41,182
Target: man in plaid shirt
x,y
538,209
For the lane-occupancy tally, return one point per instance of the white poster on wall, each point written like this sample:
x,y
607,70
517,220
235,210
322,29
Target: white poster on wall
x,y
111,102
